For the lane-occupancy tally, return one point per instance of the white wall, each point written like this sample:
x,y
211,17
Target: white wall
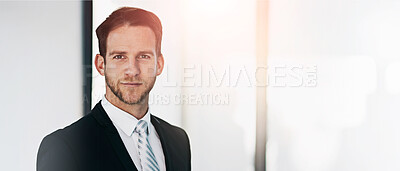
x,y
220,37
41,79
349,119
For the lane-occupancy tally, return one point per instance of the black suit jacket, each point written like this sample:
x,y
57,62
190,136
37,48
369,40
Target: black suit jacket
x,y
93,143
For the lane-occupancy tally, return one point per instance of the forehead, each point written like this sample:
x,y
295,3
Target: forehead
x,y
131,38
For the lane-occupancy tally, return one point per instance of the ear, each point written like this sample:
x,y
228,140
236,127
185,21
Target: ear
x,y
160,64
99,63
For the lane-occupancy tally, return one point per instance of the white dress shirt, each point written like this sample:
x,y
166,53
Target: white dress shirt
x,y
125,124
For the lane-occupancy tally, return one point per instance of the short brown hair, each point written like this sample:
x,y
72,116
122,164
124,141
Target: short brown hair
x,y
132,17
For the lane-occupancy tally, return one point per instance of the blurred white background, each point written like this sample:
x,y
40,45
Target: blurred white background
x,y
349,119
332,99
41,76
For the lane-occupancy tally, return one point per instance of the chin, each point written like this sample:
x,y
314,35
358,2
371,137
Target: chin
x,y
132,99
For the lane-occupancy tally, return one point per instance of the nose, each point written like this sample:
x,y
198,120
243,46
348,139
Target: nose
x,y
132,68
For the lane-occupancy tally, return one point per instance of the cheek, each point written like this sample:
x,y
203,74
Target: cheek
x,y
111,71
111,66
148,69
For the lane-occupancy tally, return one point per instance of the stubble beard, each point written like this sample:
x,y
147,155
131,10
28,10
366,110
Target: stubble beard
x,y
114,87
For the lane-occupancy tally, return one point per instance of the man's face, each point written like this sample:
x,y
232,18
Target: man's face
x,y
131,63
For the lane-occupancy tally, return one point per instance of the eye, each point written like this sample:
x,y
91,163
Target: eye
x,y
118,57
144,56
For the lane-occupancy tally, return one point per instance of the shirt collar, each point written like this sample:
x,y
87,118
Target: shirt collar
x,y
123,120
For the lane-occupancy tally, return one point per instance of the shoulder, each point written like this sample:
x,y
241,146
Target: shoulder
x,y
171,130
66,138
62,136
174,136
84,125
176,140
56,149
62,148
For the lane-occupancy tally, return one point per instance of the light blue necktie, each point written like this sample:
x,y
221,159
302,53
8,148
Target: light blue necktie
x,y
146,155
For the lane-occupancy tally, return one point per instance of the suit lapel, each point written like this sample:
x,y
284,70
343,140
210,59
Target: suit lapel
x,y
164,143
101,116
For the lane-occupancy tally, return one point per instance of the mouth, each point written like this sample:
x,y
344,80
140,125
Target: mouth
x,y
131,84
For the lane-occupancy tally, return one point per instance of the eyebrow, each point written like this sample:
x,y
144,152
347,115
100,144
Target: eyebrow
x,y
124,52
117,52
146,52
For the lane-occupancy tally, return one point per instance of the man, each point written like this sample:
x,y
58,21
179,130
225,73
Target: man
x,y
120,133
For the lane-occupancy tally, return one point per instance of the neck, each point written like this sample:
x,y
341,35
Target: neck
x,y
136,110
